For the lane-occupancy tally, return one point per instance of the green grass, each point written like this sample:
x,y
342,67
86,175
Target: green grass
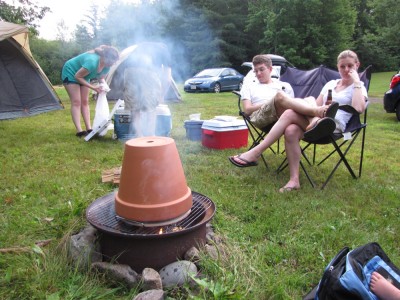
x,y
380,84
276,245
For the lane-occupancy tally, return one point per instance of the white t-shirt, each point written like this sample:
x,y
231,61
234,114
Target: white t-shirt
x,y
260,92
343,97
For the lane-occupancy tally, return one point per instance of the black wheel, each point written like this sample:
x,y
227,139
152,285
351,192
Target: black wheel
x,y
217,88
398,111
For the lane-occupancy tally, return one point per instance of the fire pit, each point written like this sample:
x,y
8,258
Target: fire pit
x,y
141,247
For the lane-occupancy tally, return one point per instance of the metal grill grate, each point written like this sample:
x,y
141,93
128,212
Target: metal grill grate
x,y
101,214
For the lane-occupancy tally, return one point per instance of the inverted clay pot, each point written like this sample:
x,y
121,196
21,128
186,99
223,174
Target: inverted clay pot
x,y
152,184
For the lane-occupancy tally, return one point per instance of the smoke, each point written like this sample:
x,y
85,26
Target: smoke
x,y
182,27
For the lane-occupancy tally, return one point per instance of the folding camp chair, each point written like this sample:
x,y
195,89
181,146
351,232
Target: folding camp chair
x,y
353,129
256,134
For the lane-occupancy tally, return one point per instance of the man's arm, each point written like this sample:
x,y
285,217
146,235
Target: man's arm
x,y
249,108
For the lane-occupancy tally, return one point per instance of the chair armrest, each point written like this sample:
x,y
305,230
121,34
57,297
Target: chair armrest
x,y
348,108
237,93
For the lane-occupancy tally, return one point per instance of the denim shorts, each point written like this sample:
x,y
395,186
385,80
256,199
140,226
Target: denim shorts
x,y
66,81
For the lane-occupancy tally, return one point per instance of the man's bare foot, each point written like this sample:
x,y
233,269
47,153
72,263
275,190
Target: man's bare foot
x,y
383,288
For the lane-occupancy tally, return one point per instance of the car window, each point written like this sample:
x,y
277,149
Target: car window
x,y
232,73
208,73
225,73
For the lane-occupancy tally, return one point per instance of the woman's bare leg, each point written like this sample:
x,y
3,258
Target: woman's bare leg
x,y
293,134
74,93
85,109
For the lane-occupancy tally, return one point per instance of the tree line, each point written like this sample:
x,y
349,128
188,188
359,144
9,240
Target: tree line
x,y
205,33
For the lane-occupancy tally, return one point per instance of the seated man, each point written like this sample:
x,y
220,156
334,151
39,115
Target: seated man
x,y
265,103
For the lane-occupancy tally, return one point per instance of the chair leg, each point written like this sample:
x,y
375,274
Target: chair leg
x,y
307,175
265,162
342,159
362,151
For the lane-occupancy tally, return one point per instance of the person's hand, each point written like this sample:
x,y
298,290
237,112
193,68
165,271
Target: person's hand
x,y
354,75
98,89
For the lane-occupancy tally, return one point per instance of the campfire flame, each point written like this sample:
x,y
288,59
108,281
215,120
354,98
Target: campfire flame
x,y
169,229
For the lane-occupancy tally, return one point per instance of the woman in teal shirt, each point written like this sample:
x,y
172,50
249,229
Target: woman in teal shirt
x,y
76,76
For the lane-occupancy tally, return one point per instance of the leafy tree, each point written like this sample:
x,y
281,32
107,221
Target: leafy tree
x,y
62,28
305,39
385,43
26,13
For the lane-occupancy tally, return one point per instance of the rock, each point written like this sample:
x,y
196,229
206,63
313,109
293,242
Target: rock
x,y
118,273
150,295
210,237
212,251
83,249
193,254
151,279
177,273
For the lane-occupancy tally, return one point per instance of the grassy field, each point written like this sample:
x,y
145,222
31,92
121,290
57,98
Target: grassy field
x,y
277,245
380,84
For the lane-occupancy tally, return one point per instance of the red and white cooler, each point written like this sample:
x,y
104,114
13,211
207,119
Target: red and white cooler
x,y
224,132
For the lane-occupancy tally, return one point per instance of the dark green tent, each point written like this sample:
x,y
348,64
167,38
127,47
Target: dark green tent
x,y
24,88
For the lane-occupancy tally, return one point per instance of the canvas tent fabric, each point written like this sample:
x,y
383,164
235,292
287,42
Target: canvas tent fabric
x,y
129,57
310,82
25,89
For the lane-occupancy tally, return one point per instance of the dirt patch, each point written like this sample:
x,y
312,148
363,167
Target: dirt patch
x,y
375,100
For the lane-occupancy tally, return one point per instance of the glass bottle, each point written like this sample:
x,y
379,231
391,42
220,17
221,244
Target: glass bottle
x,y
329,98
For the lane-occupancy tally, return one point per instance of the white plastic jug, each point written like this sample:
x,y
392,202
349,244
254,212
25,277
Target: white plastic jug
x,y
164,121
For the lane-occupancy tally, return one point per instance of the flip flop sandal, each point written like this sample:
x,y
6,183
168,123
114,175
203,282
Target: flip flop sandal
x,y
322,128
332,110
240,165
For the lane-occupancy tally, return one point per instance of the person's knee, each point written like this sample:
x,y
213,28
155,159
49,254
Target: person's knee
x,y
76,102
293,132
288,114
279,97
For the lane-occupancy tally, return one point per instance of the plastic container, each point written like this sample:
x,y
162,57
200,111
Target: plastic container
x,y
164,121
224,134
195,117
122,123
193,129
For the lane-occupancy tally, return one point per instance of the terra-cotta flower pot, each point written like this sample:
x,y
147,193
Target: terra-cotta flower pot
x,y
152,184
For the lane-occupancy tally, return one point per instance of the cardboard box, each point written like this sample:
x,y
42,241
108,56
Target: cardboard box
x,y
220,134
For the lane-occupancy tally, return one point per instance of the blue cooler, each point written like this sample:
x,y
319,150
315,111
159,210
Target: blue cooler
x,y
193,129
122,123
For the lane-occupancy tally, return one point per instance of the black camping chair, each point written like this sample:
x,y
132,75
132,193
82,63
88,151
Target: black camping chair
x,y
354,127
256,134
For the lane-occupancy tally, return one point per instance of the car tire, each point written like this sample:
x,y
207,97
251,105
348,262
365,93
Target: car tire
x,y
398,111
217,88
